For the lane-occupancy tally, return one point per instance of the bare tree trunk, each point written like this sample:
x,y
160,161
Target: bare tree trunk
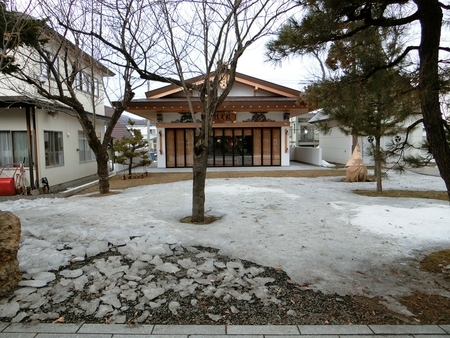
x,y
103,172
130,166
431,22
354,141
199,179
378,160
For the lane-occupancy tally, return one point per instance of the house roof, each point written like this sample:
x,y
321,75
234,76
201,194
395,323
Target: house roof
x,y
52,34
120,129
78,52
319,116
41,103
240,78
276,98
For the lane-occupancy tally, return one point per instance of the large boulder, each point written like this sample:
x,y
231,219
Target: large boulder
x,y
9,246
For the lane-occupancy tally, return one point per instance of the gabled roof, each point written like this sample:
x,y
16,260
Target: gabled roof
x,y
275,89
259,96
51,34
120,129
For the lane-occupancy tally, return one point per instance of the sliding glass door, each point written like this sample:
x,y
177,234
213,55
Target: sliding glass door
x,y
229,147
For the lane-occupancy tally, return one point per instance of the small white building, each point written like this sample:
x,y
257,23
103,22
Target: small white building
x,y
336,146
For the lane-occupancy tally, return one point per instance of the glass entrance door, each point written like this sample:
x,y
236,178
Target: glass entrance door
x,y
240,147
229,147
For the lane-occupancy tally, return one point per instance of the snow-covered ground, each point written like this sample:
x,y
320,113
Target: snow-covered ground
x,y
316,230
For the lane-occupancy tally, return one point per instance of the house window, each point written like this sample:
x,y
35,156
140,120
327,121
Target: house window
x,y
13,147
96,88
85,152
87,85
46,72
54,150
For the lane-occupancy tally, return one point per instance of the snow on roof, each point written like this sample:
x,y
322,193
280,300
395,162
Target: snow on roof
x,y
319,116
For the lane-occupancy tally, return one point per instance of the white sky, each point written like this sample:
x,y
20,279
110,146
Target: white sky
x,y
294,73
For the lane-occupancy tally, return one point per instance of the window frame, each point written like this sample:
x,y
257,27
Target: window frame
x,y
84,83
15,147
45,69
84,149
53,157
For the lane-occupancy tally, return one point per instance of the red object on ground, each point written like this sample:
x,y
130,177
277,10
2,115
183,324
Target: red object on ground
x,y
7,186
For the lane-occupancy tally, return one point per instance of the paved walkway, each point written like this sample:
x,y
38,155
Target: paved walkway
x,y
218,331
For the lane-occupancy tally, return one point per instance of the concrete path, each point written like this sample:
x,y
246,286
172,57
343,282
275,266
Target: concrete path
x,y
220,331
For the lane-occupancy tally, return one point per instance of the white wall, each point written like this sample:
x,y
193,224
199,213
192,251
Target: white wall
x,y
336,146
72,169
161,145
307,155
285,155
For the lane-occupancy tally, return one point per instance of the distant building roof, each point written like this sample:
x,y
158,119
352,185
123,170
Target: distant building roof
x,y
319,116
120,129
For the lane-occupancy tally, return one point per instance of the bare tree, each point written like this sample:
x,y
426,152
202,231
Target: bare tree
x,y
200,39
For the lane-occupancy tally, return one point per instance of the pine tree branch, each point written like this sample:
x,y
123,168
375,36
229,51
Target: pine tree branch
x,y
390,64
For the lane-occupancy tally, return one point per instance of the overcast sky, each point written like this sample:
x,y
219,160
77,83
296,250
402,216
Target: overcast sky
x,y
294,73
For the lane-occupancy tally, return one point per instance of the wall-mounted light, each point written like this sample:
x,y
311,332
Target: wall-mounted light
x,y
53,114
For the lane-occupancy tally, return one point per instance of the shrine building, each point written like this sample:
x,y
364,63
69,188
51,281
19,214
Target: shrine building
x,y
251,128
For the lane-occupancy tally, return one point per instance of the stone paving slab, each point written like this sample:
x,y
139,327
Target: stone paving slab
x,y
18,335
189,329
305,336
372,336
445,327
116,329
407,329
234,336
153,336
42,328
334,329
262,329
73,335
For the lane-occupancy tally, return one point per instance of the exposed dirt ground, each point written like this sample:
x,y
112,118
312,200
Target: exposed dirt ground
x,y
122,181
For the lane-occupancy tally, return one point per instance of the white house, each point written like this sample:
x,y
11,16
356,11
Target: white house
x,y
45,136
336,147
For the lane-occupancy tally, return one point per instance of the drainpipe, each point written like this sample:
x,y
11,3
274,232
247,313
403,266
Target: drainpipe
x,y
30,147
33,119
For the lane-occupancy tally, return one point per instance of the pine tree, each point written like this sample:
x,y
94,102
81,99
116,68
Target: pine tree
x,y
374,106
17,30
132,147
325,21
